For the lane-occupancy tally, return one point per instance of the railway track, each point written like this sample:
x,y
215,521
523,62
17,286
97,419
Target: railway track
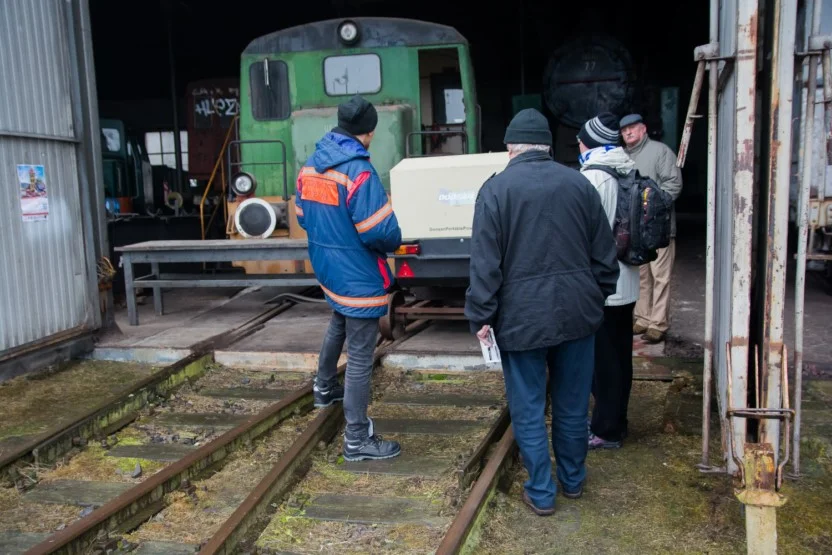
x,y
271,471
114,415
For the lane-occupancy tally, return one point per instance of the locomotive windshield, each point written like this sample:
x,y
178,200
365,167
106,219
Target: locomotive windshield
x,y
269,81
356,74
112,139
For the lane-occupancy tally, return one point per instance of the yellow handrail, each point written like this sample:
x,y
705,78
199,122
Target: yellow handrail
x,y
217,164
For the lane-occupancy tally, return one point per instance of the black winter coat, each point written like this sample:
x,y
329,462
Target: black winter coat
x,y
542,255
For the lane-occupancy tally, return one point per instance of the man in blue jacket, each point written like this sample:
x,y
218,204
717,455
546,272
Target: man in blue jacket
x,y
351,226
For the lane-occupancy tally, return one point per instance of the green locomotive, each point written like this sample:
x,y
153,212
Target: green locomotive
x,y
418,74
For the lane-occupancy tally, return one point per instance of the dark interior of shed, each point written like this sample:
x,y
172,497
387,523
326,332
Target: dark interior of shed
x,y
511,46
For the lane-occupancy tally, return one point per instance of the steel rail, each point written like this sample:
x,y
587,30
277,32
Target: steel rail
x,y
146,498
285,473
469,519
115,414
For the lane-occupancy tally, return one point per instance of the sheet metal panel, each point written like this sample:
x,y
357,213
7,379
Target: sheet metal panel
x,y
34,51
723,251
42,266
47,276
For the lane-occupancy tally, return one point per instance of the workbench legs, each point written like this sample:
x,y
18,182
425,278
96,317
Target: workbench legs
x,y
157,291
130,291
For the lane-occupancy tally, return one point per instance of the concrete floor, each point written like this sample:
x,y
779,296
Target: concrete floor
x,y
191,316
290,341
194,315
687,328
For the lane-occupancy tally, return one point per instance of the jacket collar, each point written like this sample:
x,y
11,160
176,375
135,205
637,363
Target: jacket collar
x,y
344,132
530,156
638,148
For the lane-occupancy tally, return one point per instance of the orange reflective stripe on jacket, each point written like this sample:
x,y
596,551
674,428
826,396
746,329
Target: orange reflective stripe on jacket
x,y
356,302
375,219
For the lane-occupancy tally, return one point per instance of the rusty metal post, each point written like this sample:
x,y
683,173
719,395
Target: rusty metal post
x,y
694,102
743,205
808,117
707,370
760,499
779,178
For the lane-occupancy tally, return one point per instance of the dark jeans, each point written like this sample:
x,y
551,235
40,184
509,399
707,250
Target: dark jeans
x,y
570,378
613,373
361,335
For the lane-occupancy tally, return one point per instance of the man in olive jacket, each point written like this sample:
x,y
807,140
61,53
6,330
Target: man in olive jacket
x,y
657,161
543,261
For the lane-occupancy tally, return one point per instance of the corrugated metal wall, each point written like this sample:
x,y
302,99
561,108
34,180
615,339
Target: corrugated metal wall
x,y
45,266
723,251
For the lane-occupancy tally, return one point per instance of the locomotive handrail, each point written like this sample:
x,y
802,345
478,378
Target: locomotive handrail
x,y
461,132
261,141
217,164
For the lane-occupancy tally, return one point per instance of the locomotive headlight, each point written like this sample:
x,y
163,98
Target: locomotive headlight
x,y
243,184
348,31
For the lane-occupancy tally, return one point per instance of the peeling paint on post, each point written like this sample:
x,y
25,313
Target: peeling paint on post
x,y
743,190
774,280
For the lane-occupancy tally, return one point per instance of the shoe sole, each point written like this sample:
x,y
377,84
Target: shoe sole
x,y
321,405
535,510
605,446
370,457
576,495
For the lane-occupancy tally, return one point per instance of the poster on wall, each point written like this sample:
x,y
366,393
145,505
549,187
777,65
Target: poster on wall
x,y
33,198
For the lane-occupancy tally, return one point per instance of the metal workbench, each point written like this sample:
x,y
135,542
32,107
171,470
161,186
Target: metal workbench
x,y
215,250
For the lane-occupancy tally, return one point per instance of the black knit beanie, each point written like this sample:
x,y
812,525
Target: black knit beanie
x,y
357,116
528,127
600,130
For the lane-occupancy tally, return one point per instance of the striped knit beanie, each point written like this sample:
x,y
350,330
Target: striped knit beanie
x,y
600,130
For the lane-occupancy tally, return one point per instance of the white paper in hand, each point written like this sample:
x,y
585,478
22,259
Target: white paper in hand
x,y
490,354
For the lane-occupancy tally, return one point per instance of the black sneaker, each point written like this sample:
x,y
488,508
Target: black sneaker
x,y
372,448
325,397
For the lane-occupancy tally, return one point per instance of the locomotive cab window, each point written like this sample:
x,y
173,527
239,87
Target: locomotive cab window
x,y
356,74
269,82
442,101
112,139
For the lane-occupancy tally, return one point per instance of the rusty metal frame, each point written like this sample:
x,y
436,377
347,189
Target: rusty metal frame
x,y
745,114
769,374
401,314
761,413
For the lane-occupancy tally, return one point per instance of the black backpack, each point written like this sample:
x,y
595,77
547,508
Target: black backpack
x,y
642,217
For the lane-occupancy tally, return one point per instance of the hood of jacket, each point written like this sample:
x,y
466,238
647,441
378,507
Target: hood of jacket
x,y
334,149
615,158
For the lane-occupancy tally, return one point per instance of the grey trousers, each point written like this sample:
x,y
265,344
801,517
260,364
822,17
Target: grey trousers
x,y
361,335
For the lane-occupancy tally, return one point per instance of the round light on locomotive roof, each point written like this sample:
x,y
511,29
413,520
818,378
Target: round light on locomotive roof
x,y
243,183
348,31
